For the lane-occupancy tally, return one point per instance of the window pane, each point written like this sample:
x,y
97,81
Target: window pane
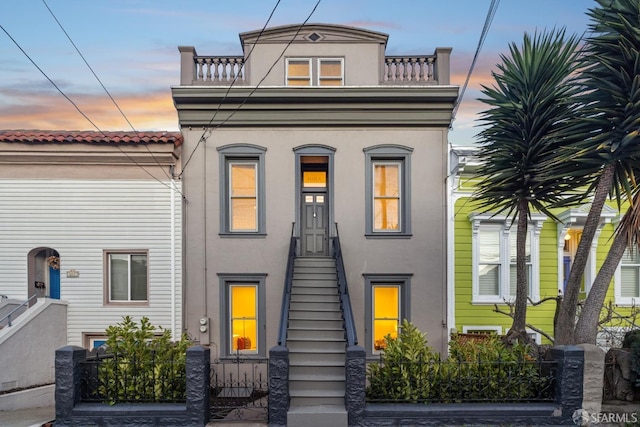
x,y
243,179
331,82
386,313
513,280
630,257
298,68
330,68
386,180
119,277
317,179
243,214
299,82
243,311
489,246
489,279
138,277
386,214
513,248
629,279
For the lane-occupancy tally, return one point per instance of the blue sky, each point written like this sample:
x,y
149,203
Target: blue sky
x,y
132,47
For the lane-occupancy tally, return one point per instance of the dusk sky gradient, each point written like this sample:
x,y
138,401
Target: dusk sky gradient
x,y
132,45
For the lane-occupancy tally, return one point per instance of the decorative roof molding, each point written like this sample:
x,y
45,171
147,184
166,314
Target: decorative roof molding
x,y
313,33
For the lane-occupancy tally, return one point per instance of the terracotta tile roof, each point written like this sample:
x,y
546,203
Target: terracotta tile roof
x,y
92,137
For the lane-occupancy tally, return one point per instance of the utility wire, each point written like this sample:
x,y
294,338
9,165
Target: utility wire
x,y
209,131
102,84
493,7
78,108
235,78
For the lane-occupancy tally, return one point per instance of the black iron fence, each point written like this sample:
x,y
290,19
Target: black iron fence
x,y
239,390
113,379
453,381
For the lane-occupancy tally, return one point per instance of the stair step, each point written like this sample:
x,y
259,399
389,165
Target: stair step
x,y
315,314
300,401
314,306
316,347
314,290
317,415
313,276
316,358
317,386
315,323
314,334
302,261
317,369
316,298
315,269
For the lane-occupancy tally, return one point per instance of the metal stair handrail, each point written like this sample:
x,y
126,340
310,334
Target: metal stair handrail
x,y
345,301
8,316
286,292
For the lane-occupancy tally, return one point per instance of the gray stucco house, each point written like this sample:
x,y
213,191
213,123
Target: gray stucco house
x,y
313,132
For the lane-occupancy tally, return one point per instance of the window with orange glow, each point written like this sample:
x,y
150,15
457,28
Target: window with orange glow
x,y
319,71
330,72
314,179
386,196
243,194
298,72
386,313
244,320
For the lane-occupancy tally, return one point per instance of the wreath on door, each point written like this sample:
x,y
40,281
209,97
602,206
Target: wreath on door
x,y
54,262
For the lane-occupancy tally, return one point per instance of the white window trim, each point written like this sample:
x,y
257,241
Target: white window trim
x,y
381,162
319,77
501,221
107,276
256,167
314,70
286,71
617,283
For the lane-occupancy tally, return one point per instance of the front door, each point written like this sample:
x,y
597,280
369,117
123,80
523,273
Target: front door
x,y
54,283
314,224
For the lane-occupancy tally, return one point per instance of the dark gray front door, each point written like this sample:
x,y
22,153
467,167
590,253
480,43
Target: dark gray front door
x,y
314,224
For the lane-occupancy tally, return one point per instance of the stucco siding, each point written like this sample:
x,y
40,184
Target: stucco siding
x,y
422,255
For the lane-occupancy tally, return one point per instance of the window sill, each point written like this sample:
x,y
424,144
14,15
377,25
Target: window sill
x,y
388,236
243,235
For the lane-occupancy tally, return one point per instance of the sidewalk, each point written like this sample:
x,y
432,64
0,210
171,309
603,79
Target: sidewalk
x,y
32,417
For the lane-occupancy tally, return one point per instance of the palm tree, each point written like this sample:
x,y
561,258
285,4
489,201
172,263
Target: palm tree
x,y
608,140
531,106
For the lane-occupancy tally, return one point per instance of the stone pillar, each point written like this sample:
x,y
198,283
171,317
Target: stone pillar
x,y
569,378
593,378
443,66
187,65
278,386
68,379
355,381
198,377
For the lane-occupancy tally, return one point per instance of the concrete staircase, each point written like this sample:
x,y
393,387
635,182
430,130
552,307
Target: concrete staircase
x,y
316,342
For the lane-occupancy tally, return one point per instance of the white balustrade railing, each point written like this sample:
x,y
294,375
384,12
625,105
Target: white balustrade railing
x,y
220,70
408,69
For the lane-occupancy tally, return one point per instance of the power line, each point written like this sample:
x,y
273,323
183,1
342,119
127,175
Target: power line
x,y
493,7
102,84
273,10
78,108
204,135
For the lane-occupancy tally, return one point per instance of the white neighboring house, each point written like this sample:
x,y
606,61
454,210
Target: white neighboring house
x,y
95,220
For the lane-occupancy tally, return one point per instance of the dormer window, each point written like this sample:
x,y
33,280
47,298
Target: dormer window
x,y
315,72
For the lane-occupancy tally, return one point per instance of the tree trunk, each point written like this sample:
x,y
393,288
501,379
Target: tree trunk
x,y
522,278
587,326
564,333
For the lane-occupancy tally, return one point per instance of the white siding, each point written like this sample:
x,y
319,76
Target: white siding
x,y
80,219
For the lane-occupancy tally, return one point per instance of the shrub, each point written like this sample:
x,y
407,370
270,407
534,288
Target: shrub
x,y
142,366
483,370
